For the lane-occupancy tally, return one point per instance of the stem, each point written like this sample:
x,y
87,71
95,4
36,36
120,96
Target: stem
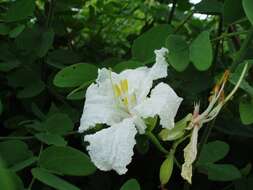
x,y
156,142
172,11
226,35
242,52
188,17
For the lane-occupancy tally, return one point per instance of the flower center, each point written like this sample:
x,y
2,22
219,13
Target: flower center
x,y
123,96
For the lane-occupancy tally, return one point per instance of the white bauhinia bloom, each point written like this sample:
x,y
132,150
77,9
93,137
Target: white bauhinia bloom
x,y
122,101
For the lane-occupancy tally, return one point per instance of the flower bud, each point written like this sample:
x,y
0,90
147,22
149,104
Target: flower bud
x,y
166,169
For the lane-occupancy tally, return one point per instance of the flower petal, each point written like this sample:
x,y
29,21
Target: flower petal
x,y
112,148
163,102
100,106
190,154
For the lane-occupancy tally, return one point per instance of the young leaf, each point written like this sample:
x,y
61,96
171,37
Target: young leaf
x,y
66,160
212,152
178,52
246,111
201,53
248,7
131,184
52,180
75,75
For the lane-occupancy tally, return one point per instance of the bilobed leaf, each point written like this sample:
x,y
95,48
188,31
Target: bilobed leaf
x,y
212,152
75,75
222,172
52,180
14,151
248,7
246,111
20,10
201,53
131,184
144,46
58,123
178,52
66,160
51,139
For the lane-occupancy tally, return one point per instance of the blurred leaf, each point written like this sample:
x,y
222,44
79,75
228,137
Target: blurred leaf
x,y
131,184
178,52
246,111
233,11
209,6
222,172
16,31
9,65
47,39
4,29
20,10
144,46
75,75
21,165
248,7
52,180
74,161
212,152
201,53
14,151
58,124
51,139
6,181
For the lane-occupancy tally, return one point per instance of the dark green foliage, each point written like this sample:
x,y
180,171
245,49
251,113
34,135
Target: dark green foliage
x,y
50,52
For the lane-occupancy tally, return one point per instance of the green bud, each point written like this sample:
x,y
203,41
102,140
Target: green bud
x,y
177,132
166,169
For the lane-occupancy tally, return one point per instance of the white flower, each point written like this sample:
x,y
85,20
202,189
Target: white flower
x,y
122,101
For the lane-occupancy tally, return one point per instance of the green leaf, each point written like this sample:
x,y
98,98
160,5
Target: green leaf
x,y
51,139
4,29
6,181
58,123
201,53
14,151
66,160
20,10
166,169
21,165
75,75
246,111
212,152
47,39
1,107
131,64
222,172
16,31
209,7
131,184
9,65
248,7
178,52
144,46
233,11
52,180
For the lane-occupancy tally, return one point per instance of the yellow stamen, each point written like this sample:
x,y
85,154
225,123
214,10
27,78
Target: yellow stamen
x,y
124,85
117,90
